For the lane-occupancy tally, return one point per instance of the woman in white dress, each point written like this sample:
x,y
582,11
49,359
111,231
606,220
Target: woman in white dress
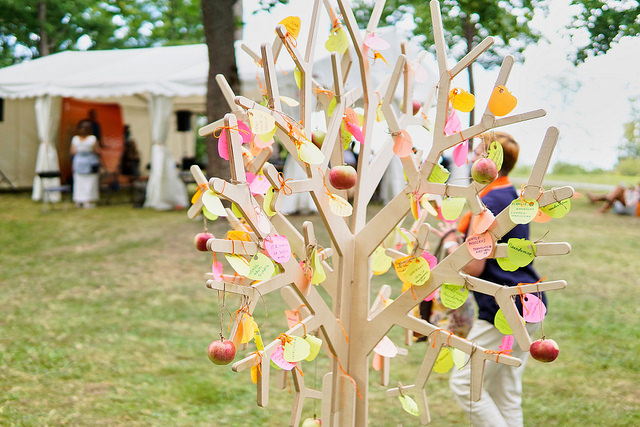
x,y
86,165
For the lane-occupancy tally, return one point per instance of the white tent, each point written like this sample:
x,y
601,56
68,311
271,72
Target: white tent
x,y
149,84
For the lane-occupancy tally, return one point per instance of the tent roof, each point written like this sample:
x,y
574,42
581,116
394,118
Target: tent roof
x,y
170,71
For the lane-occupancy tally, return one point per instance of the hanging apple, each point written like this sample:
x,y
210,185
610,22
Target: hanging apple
x,y
544,350
200,240
484,170
343,177
416,106
317,137
221,351
312,422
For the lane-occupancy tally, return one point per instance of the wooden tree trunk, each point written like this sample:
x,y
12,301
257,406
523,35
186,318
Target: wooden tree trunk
x,y
219,29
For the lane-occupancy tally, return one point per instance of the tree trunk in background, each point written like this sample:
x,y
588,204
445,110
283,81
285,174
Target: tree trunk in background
x,y
219,28
43,43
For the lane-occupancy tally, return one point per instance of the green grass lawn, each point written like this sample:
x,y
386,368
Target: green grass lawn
x,y
105,319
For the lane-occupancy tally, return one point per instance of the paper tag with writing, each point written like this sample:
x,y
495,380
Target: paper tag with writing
x,y
386,348
278,248
266,203
409,405
315,344
533,309
260,267
496,153
460,153
380,261
506,264
439,174
309,153
558,209
414,270
296,350
480,246
452,207
482,221
338,41
238,263
277,357
501,323
340,206
459,358
453,296
444,362
523,211
261,121
521,251
402,144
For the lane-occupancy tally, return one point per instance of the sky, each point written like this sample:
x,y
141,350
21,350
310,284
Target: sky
x,y
589,103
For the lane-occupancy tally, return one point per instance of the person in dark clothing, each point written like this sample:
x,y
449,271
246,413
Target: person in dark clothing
x,y
501,400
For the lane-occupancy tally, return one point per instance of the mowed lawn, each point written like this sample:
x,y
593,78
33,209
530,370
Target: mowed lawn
x,y
105,320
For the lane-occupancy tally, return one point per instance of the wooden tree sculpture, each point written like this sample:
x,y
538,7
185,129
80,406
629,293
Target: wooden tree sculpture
x,y
268,254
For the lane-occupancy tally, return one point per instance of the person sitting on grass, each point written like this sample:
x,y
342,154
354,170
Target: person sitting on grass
x,y
624,200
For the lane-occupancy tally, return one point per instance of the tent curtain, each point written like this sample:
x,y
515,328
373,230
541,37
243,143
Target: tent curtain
x,y
47,121
165,189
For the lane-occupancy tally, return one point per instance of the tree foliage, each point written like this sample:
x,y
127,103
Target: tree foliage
x,y
28,31
607,22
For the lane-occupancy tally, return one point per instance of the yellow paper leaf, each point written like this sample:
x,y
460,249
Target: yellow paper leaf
x,y
238,263
289,101
501,323
453,296
496,153
248,327
208,215
444,362
266,137
338,41
213,204
412,269
439,174
261,121
266,203
298,77
459,358
523,211
315,344
521,252
319,274
558,209
292,24
452,207
340,206
462,100
296,350
261,267
506,264
309,153
380,261
409,405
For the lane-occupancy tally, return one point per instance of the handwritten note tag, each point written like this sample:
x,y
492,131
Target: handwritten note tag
x,y
409,405
480,246
402,144
521,251
238,263
439,174
414,270
453,296
496,153
292,24
444,362
386,348
462,100
340,206
501,323
277,357
278,248
533,309
460,153
260,267
380,261
452,207
482,221
315,344
558,209
266,203
296,350
261,121
338,41
523,211
501,101
506,264
309,153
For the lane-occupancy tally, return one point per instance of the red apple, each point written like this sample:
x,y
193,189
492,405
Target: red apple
x,y
343,177
484,170
544,350
317,137
221,351
311,422
200,240
416,106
